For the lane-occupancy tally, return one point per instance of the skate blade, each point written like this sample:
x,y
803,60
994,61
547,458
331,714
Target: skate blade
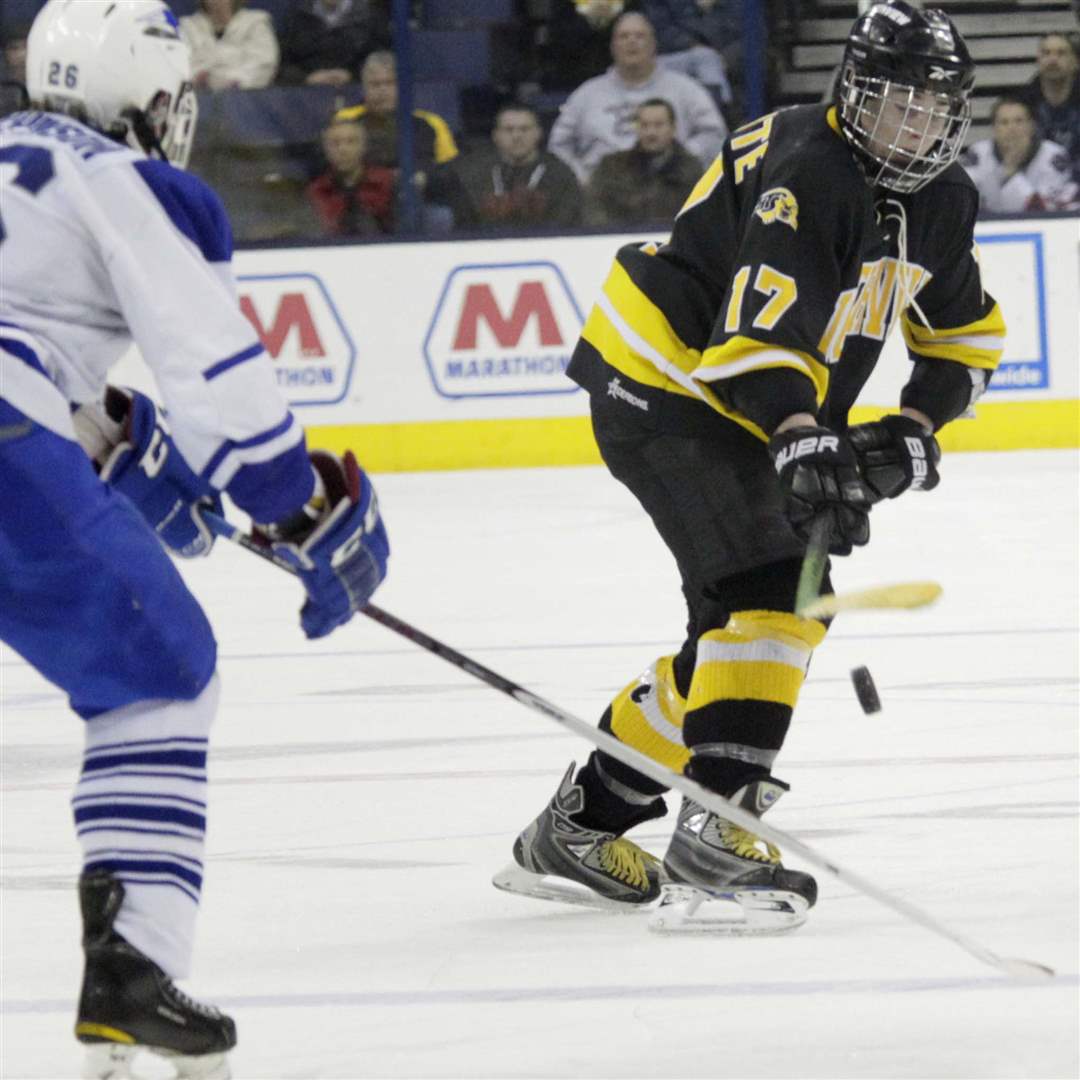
x,y
516,879
111,1061
739,913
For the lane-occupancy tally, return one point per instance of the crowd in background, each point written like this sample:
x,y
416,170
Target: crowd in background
x,y
646,90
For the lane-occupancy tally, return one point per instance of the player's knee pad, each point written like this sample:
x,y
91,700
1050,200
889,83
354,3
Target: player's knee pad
x,y
746,683
647,714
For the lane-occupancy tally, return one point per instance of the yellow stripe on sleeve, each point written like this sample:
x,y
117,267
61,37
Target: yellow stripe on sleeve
x,y
352,112
741,354
632,334
978,344
445,147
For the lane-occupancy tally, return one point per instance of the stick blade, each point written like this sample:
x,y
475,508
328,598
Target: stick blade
x,y
1024,969
910,594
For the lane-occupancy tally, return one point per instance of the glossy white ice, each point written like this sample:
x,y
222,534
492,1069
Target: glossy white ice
x,y
363,792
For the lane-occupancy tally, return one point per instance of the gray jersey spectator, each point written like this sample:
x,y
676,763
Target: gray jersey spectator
x,y
231,47
1054,93
516,183
325,42
691,36
647,184
1017,171
598,117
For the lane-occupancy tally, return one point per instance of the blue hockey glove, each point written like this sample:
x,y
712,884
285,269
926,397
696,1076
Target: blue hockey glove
x,y
819,476
147,467
337,543
896,453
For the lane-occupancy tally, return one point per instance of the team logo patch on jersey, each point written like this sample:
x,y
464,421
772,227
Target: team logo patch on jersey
x,y
778,204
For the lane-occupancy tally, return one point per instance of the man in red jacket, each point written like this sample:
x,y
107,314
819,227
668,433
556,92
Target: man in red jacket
x,y
351,197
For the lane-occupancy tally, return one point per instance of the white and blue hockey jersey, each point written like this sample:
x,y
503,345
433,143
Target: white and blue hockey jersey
x,y
101,247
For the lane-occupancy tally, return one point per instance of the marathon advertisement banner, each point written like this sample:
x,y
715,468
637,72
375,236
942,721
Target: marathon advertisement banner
x,y
502,330
391,334
305,335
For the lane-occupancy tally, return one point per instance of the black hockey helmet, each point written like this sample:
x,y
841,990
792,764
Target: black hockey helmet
x,y
903,96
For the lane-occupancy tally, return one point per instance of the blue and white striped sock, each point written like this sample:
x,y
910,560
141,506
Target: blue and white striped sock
x,y
140,814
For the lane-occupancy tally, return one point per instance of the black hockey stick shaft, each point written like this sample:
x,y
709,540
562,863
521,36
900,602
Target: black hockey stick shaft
x,y
653,769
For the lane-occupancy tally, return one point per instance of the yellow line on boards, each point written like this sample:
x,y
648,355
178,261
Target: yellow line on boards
x,y
512,444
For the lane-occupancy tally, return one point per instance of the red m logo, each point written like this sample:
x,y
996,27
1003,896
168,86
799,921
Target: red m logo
x,y
292,313
531,300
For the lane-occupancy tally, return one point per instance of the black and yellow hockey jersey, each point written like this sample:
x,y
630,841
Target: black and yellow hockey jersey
x,y
782,277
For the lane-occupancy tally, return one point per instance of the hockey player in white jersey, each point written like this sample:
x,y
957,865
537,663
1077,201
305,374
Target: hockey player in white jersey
x,y
103,241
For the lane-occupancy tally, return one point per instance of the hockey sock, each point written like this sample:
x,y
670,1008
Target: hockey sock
x,y
140,814
745,686
648,715
611,805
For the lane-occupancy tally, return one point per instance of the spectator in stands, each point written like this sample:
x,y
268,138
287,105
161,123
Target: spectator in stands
x,y
516,183
1016,170
574,41
433,141
325,42
353,197
13,68
231,47
598,117
13,95
647,184
690,35
1054,93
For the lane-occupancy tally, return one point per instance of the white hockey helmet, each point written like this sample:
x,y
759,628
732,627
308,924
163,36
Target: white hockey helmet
x,y
119,65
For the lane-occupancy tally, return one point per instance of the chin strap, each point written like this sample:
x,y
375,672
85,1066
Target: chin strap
x,y
137,131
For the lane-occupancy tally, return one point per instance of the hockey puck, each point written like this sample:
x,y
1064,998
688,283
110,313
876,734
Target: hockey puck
x,y
865,690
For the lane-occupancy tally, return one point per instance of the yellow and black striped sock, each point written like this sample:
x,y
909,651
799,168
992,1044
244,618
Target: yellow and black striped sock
x,y
746,682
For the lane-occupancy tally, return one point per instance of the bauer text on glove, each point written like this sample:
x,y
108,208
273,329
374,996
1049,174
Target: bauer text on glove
x,y
894,454
819,477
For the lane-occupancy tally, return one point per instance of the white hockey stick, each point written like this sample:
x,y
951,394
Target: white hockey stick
x,y
662,775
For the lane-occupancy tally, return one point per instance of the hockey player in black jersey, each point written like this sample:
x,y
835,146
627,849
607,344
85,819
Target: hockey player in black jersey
x,y
721,367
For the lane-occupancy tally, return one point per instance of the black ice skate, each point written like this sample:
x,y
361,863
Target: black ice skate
x,y
555,858
722,879
129,1005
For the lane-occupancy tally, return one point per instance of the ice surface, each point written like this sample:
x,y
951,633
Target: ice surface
x,y
363,792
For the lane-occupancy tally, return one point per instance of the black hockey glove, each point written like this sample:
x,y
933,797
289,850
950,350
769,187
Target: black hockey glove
x,y
819,476
895,453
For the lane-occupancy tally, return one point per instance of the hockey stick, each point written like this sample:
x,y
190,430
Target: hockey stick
x,y
813,565
810,605
655,771
910,594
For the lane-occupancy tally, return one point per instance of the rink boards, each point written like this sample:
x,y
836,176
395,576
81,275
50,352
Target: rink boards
x,y
452,354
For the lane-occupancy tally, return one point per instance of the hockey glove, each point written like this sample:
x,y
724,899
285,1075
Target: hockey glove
x,y
819,476
895,453
337,542
146,467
